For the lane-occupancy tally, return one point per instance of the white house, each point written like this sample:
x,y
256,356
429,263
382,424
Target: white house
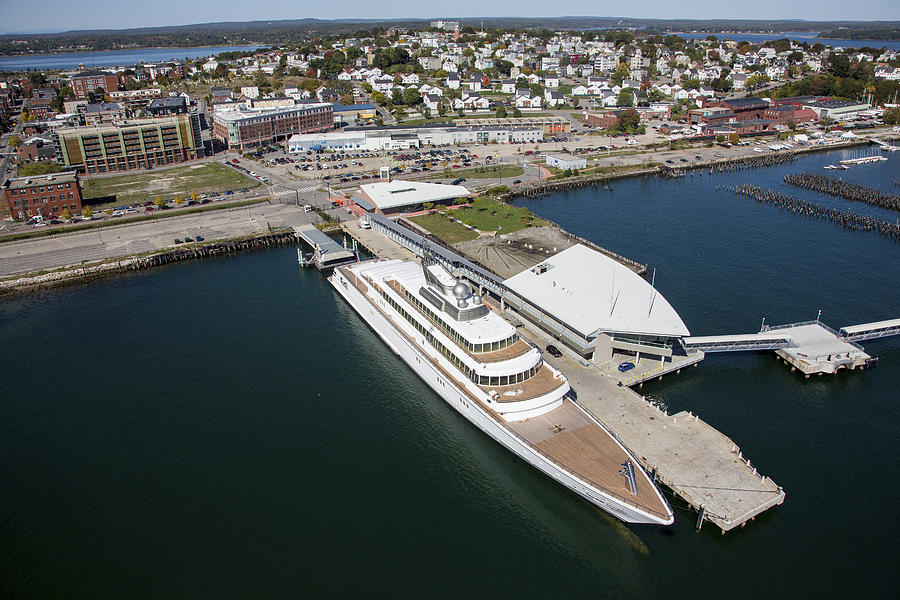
x,y
551,81
508,86
553,97
453,81
528,102
431,102
410,78
210,65
250,91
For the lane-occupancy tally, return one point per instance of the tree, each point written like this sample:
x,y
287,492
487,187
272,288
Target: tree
x,y
397,96
629,120
411,96
65,215
347,99
195,196
734,138
179,200
86,212
159,202
626,97
13,141
891,116
501,112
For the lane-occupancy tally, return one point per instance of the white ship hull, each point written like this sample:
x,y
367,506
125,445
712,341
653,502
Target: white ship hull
x,y
458,399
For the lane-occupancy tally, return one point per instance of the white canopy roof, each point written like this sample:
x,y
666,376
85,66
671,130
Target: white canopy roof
x,y
589,291
392,194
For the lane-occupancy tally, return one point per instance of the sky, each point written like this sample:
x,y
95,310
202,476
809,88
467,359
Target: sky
x,y
63,15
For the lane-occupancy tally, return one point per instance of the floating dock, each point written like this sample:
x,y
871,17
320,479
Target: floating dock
x,y
811,347
863,160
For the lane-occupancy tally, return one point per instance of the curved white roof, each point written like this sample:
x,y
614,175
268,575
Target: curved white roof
x,y
589,291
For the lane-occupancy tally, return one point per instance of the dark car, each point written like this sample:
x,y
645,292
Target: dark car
x,y
626,366
458,181
670,162
199,238
188,240
554,351
178,241
517,182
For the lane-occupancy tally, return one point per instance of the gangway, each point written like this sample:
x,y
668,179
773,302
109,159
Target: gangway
x,y
871,331
327,253
738,342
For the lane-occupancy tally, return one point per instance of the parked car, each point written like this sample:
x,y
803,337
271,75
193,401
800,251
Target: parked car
x,y
626,366
554,351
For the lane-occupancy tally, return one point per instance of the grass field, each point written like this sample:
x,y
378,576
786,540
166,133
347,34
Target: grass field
x,y
441,226
167,183
494,172
485,214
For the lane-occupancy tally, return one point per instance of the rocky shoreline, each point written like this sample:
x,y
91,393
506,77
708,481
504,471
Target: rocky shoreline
x,y
86,273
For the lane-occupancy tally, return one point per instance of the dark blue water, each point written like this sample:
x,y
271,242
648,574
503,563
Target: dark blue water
x,y
110,58
801,36
230,428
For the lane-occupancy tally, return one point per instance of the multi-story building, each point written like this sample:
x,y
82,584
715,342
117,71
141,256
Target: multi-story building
x,y
88,81
160,107
256,126
135,144
44,195
98,113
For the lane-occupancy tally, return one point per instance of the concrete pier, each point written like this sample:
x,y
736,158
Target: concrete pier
x,y
697,462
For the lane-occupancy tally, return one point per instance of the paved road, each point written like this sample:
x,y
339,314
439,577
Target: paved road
x,y
113,242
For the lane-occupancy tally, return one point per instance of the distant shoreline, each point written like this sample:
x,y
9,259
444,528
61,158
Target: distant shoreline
x,y
88,51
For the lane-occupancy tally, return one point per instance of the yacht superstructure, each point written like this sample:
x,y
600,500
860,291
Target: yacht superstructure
x,y
475,360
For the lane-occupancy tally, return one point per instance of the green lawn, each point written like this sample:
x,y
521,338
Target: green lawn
x,y
493,172
441,226
489,214
168,183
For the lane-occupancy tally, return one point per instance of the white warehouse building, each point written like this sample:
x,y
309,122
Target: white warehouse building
x,y
411,137
566,161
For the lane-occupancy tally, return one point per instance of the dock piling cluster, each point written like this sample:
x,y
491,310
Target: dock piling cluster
x,y
843,189
845,218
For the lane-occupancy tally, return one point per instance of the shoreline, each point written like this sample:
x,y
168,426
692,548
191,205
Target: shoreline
x,y
88,50
545,186
71,275
65,276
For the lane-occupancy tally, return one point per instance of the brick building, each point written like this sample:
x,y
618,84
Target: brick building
x,y
254,127
135,144
789,113
86,82
43,195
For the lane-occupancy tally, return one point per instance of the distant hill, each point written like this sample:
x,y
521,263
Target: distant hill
x,y
298,30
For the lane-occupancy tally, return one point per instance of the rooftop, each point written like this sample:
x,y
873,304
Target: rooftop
x,y
15,183
591,292
396,193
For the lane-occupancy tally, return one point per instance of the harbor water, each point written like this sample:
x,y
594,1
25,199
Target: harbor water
x,y
110,58
229,427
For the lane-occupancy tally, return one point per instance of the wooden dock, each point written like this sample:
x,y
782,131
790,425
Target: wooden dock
x,y
689,456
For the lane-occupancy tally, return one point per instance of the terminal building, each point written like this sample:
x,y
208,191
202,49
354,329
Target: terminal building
x,y
597,306
392,197
134,144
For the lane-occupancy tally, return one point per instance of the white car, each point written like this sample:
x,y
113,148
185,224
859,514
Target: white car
x,y
758,149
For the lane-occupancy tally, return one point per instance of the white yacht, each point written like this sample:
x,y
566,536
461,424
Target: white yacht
x,y
477,363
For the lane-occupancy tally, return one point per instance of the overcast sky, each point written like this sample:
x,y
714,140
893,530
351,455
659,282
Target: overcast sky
x,y
62,15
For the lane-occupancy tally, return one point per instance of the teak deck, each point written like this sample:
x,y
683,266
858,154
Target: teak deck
x,y
572,439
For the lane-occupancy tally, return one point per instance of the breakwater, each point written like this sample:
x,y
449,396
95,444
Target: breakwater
x,y
139,263
845,218
843,189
